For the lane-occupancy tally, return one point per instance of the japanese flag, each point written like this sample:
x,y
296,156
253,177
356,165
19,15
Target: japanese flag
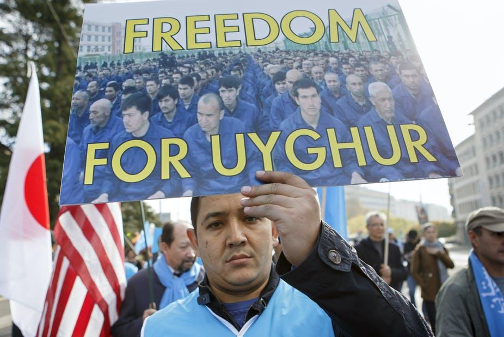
x,y
25,247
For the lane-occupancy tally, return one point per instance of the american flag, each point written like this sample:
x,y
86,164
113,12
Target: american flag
x,y
88,279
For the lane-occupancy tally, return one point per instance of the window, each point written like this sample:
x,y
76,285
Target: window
x,y
490,182
88,49
108,48
109,29
80,48
485,144
89,27
501,157
494,160
487,160
96,38
494,201
89,37
96,28
103,29
109,39
497,180
103,38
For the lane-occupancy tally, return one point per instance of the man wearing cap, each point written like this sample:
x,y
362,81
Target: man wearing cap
x,y
470,303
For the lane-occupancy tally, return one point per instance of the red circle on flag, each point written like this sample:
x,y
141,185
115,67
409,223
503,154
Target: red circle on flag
x,y
35,192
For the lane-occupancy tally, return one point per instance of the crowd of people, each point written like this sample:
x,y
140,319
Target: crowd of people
x,y
195,98
236,252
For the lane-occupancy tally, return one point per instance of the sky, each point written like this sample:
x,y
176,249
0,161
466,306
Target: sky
x,y
462,51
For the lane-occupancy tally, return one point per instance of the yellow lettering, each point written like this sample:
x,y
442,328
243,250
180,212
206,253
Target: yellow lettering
x,y
158,36
396,149
91,161
318,33
291,155
221,29
418,144
358,18
192,31
131,34
240,153
145,172
266,149
356,144
167,159
250,37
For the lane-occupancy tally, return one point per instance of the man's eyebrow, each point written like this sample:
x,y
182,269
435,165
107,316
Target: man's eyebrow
x,y
213,215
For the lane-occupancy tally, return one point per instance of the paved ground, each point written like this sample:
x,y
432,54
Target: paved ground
x,y
459,254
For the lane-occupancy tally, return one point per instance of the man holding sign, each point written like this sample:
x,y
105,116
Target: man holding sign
x,y
244,293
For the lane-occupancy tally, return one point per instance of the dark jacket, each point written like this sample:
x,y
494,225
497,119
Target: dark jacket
x,y
358,302
425,270
368,253
458,308
136,301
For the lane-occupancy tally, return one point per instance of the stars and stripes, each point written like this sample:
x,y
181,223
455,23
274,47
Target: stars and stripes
x,y
88,280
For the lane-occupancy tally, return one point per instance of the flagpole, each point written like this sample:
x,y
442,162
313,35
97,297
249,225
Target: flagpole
x,y
386,251
152,303
323,202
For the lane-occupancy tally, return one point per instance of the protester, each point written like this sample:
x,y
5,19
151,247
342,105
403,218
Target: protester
x,y
409,247
429,268
372,249
470,302
174,275
242,292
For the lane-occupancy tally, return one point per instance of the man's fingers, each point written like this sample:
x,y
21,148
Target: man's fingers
x,y
274,188
282,178
273,199
272,212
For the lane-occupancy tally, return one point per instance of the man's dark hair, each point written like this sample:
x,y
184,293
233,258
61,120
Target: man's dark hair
x,y
114,85
477,230
129,90
178,72
229,82
152,79
195,75
374,63
359,65
406,66
139,100
412,234
279,76
195,201
304,83
187,80
206,98
168,90
167,233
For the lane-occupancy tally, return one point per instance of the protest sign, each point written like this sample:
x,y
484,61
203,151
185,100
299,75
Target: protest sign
x,y
188,98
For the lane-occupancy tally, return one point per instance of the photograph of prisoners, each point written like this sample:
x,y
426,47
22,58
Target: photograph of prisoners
x,y
169,104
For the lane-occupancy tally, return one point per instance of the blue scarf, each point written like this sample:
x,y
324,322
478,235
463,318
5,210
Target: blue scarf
x,y
490,296
176,287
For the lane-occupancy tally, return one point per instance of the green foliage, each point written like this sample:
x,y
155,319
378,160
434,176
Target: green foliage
x,y
445,229
29,32
132,216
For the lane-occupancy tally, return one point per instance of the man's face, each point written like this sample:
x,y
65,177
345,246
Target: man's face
x,y
309,101
209,117
106,72
185,91
378,72
134,120
489,246
290,63
281,87
332,82
411,79
347,69
167,104
367,54
235,248
333,62
145,76
78,101
355,86
98,115
376,228
361,72
110,94
176,78
160,77
384,104
395,60
236,73
291,78
152,88
139,83
352,61
180,254
306,66
317,73
228,95
184,71
92,88
204,79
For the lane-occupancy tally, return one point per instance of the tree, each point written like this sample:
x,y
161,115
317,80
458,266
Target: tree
x,y
132,216
29,32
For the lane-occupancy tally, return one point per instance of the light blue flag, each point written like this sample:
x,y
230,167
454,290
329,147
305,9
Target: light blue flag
x,y
157,233
140,244
333,208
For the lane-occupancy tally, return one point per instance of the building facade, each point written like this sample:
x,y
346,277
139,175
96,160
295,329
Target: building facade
x,y
98,38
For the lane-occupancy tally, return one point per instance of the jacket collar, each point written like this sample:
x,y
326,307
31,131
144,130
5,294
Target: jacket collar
x,y
208,298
